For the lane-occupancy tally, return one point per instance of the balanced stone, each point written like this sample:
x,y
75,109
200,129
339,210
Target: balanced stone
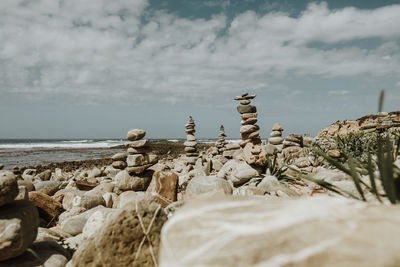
x,y
137,160
220,144
246,109
190,143
137,144
245,102
8,187
135,134
119,156
249,121
248,129
246,116
276,136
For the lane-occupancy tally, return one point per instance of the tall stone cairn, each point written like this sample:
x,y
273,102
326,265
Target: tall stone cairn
x,y
190,143
249,130
137,160
220,144
253,151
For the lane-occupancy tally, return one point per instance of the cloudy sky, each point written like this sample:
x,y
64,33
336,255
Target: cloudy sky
x,y
95,68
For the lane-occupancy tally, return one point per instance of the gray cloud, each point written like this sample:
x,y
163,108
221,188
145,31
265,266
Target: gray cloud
x,y
118,51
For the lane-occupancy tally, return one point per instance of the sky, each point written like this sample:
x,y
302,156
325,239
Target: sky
x,y
97,68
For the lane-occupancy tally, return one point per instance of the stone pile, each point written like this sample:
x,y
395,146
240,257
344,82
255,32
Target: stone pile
x,y
249,130
293,143
220,144
276,138
253,151
190,143
137,160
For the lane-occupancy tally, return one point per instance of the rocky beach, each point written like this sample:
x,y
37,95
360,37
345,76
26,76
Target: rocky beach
x,y
286,200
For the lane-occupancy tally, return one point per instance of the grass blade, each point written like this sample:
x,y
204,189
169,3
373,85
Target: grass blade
x,y
381,98
372,178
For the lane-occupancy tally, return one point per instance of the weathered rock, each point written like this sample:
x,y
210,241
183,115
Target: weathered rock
x,y
44,175
129,197
59,175
205,184
246,109
138,169
275,140
137,160
8,187
49,209
137,144
135,134
70,213
95,222
69,196
89,200
124,181
47,187
140,150
28,184
269,184
22,193
119,156
119,164
19,221
109,199
246,116
73,225
249,121
248,129
237,172
164,187
121,241
317,231
50,234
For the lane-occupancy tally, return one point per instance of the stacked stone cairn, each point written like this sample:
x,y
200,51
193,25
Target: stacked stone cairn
x,y
253,151
276,138
19,220
292,144
220,144
190,143
137,160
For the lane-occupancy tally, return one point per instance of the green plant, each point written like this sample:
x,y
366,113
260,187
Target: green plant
x,y
273,168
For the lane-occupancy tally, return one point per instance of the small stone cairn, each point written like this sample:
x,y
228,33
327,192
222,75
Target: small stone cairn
x,y
292,144
220,144
276,138
138,159
190,143
253,152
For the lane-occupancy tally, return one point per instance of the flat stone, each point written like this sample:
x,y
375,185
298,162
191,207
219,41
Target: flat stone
x,y
251,135
119,156
141,150
47,187
249,129
245,102
246,97
289,143
206,184
137,144
232,146
190,143
190,131
192,154
190,137
249,121
189,149
137,160
49,209
28,184
124,181
119,164
19,221
246,109
135,134
246,116
275,140
275,134
8,187
44,175
138,169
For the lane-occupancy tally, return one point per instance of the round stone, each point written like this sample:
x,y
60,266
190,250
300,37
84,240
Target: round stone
x,y
135,134
8,187
275,140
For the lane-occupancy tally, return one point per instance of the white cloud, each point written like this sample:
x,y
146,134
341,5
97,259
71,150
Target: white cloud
x,y
99,51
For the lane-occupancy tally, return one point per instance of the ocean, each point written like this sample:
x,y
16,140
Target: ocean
x,y
31,152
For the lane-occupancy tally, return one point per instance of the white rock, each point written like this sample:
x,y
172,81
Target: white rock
x,y
95,222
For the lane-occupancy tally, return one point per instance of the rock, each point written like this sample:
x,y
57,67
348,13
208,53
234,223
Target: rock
x,y
245,102
124,181
69,196
277,127
103,188
137,160
164,187
140,150
44,175
95,172
28,184
237,172
119,165
19,221
49,209
246,109
129,197
275,140
248,129
47,187
190,143
1,167
137,144
119,156
269,184
88,200
59,175
109,199
135,134
190,137
22,193
70,213
249,121
247,191
121,241
8,187
73,225
50,234
138,169
205,184
29,174
246,116
329,176
95,222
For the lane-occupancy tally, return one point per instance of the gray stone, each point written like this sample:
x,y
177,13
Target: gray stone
x,y
19,222
248,129
8,187
119,164
246,109
119,156
205,184
190,143
44,175
238,172
95,222
124,181
137,160
48,187
135,134
275,140
89,200
74,224
137,144
269,183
